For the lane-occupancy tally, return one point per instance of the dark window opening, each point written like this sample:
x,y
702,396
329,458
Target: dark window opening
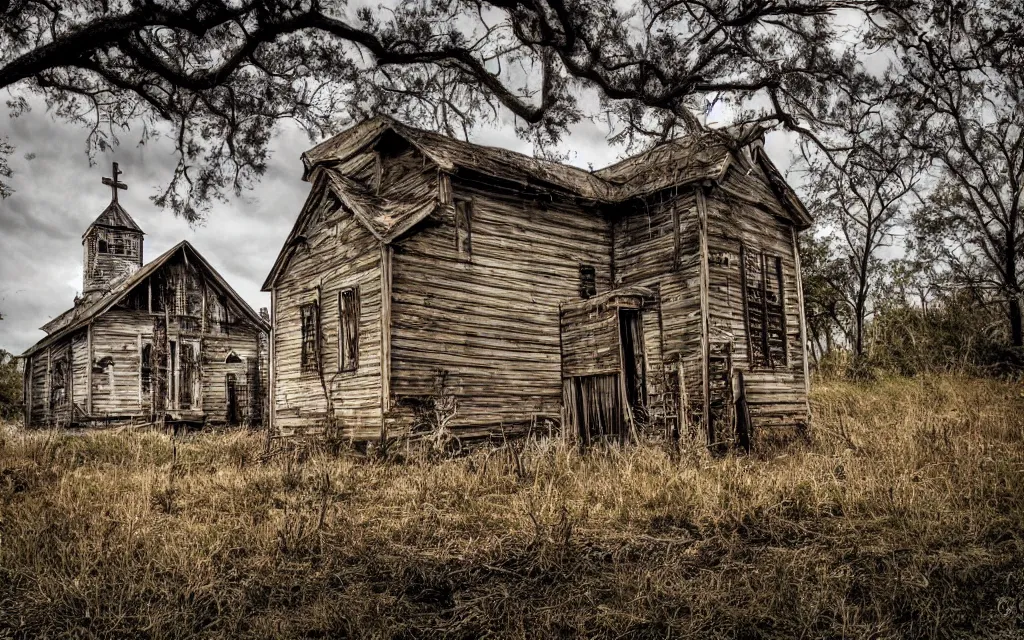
x,y
310,337
59,382
764,309
118,247
187,368
464,227
147,367
232,358
348,329
101,246
588,281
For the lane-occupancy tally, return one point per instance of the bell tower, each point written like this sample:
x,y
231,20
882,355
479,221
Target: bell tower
x,y
112,245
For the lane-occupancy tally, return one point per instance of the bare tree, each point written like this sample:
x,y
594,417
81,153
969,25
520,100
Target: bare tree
x,y
224,72
960,67
862,194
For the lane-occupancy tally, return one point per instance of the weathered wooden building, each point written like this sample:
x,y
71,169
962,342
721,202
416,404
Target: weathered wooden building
x,y
651,297
170,340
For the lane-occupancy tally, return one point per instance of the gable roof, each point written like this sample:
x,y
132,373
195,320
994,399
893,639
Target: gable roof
x,y
706,157
79,316
684,160
114,217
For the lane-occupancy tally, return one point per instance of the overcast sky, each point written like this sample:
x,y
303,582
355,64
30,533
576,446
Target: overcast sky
x,y
58,194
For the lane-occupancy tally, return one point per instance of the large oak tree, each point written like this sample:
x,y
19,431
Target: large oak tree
x,y
222,73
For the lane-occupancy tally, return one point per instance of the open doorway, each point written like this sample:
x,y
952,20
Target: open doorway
x,y
231,393
634,366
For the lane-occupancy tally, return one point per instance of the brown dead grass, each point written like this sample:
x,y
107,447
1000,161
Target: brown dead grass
x,y
903,517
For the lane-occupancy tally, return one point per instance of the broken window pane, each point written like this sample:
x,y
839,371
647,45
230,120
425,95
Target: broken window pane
x,y
588,281
764,308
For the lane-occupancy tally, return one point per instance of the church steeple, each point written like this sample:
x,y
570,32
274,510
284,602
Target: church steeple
x,y
112,244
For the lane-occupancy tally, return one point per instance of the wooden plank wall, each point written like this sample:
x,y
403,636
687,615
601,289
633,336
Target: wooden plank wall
x,y
491,321
115,335
646,254
776,397
339,253
39,387
590,341
215,370
80,369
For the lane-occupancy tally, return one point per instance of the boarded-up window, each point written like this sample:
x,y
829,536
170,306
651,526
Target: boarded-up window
x,y
588,281
764,308
348,329
146,368
464,227
310,335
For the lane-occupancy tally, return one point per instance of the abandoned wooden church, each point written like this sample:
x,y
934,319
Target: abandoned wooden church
x,y
660,295
168,341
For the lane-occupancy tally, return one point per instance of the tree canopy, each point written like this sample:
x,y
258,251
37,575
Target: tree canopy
x,y
909,111
223,73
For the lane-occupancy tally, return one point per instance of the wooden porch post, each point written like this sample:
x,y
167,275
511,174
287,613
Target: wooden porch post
x,y
705,328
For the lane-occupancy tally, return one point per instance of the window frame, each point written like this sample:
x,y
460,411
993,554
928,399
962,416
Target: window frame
x,y
348,336
588,283
146,367
309,362
763,338
60,363
463,247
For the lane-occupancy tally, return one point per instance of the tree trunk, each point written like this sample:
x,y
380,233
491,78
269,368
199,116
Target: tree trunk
x,y
1016,333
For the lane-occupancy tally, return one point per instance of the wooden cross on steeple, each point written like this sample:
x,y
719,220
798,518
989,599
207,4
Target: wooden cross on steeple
x,y
114,184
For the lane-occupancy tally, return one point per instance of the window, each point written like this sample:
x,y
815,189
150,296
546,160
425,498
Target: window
x,y
463,227
187,366
118,245
348,329
588,281
59,382
310,334
764,308
146,368
101,246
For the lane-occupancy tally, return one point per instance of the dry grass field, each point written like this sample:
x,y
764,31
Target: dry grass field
x,y
903,516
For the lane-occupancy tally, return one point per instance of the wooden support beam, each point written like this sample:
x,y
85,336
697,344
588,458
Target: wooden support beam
x,y
27,391
88,369
705,321
385,337
803,322
272,366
